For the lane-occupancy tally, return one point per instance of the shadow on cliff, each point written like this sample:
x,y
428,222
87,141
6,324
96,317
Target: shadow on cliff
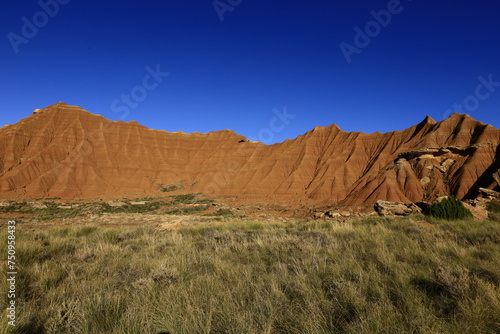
x,y
486,178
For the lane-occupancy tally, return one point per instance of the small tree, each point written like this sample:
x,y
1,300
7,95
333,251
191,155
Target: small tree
x,y
449,208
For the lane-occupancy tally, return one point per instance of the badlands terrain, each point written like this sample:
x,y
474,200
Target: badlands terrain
x,y
65,152
124,229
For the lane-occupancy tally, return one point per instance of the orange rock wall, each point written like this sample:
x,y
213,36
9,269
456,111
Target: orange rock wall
x,y
65,151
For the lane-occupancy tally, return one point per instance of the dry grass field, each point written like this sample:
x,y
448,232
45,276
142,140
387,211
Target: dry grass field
x,y
376,275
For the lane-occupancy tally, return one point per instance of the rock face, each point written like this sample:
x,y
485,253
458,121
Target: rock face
x,y
65,151
488,193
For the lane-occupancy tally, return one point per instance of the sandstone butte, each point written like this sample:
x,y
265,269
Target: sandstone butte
x,y
65,151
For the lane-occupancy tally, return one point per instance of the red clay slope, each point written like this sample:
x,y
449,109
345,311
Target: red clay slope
x,y
65,151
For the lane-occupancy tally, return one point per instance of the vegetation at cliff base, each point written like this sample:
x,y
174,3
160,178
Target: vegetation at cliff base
x,y
449,208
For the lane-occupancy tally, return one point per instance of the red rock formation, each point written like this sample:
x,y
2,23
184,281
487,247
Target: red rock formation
x,y
64,151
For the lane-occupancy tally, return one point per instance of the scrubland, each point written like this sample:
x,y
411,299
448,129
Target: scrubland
x,y
373,275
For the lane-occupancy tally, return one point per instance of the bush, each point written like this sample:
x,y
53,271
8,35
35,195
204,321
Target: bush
x,y
184,199
171,187
449,208
187,210
168,187
221,212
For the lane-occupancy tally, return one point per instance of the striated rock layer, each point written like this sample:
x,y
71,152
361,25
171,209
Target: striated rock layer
x,y
65,151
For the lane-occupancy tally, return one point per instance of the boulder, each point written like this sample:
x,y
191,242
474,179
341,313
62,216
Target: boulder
x,y
319,215
477,208
332,214
345,213
488,193
388,208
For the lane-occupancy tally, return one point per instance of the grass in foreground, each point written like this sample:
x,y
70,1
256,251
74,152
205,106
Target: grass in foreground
x,y
373,276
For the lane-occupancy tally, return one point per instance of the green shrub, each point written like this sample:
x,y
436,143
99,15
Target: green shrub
x,y
168,187
449,208
187,210
221,212
171,187
184,199
146,208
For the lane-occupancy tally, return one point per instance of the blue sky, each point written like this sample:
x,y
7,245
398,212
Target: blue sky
x,y
269,70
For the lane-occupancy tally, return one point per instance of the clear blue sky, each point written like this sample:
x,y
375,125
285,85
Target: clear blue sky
x,y
263,56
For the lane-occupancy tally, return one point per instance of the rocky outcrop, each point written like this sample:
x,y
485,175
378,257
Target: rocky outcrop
x,y
478,208
496,177
388,208
65,151
488,193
